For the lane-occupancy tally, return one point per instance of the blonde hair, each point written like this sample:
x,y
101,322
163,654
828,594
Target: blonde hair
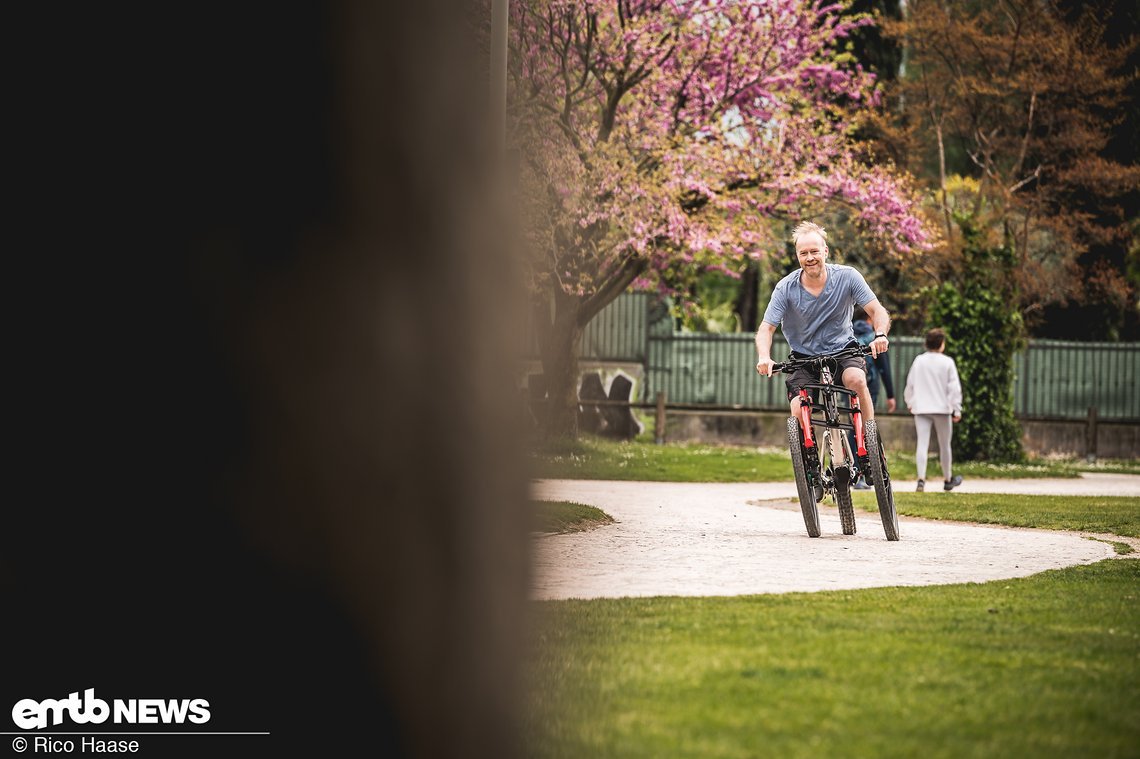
x,y
804,227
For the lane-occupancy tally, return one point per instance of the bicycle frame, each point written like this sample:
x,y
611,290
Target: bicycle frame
x,y
831,410
827,412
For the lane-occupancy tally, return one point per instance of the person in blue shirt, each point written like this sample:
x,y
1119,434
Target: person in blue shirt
x,y
878,368
813,307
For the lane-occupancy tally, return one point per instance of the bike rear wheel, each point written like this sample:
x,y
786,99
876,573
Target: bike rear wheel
x,y
884,494
803,486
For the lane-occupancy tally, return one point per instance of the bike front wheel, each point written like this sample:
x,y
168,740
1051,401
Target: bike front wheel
x,y
843,501
884,494
803,485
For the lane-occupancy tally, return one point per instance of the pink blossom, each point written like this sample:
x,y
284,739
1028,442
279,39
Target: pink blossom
x,y
671,132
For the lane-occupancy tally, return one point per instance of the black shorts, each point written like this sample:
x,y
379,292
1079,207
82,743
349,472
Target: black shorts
x,y
805,375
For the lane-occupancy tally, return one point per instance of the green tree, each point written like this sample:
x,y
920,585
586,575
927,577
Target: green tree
x,y
984,330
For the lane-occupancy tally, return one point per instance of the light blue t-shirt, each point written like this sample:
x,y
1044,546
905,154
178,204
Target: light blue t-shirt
x,y
814,326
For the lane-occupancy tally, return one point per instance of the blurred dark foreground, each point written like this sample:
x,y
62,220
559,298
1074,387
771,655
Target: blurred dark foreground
x,y
259,423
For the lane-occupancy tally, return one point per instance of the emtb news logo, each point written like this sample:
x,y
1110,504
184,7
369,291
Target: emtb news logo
x,y
29,714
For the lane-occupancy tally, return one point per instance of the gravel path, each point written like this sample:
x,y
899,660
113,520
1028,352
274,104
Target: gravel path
x,y
698,539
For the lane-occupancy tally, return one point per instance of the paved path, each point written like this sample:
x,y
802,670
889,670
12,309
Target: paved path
x,y
697,539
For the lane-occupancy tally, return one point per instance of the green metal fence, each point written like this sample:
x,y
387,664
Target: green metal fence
x,y
1053,379
1058,378
620,330
618,333
712,369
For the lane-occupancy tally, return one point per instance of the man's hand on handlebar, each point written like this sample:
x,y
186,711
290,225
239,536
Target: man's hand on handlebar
x,y
766,367
879,345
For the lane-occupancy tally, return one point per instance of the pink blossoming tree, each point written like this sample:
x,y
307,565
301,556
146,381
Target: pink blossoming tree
x,y
658,137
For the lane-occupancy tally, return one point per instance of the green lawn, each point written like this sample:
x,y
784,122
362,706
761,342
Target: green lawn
x,y
1115,515
599,459
1044,666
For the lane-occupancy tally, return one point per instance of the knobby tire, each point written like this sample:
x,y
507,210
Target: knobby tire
x,y
846,508
806,493
884,493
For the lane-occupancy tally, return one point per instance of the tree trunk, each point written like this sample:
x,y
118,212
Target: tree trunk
x,y
560,340
942,180
747,305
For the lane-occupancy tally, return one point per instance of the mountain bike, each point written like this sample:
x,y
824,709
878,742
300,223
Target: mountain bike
x,y
822,459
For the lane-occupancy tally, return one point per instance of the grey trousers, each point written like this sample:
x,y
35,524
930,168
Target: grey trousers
x,y
943,425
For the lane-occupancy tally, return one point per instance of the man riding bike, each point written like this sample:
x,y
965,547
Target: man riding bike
x,y
813,307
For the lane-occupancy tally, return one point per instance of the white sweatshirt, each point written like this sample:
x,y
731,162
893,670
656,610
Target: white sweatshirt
x,y
932,387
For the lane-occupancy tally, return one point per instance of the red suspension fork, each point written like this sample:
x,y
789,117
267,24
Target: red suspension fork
x,y
805,419
857,419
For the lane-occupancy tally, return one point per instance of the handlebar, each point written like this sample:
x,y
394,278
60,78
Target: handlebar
x,y
795,363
